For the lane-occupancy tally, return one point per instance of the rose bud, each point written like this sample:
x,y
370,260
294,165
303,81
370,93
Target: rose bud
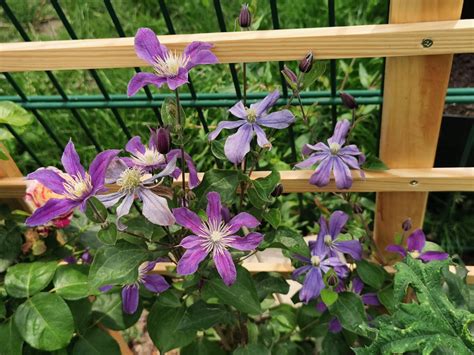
x,y
245,17
348,100
278,190
290,77
163,140
406,225
306,63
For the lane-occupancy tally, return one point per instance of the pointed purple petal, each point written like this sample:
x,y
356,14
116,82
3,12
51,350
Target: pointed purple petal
x,y
189,262
71,161
147,45
357,285
193,176
279,120
116,167
370,299
262,140
199,53
312,160
214,207
312,286
111,199
336,222
340,132
225,267
155,208
300,271
351,247
302,258
123,209
396,249
105,288
349,150
135,145
188,219
416,241
130,298
334,326
342,174
318,247
224,125
261,107
99,166
350,161
238,110
180,79
238,144
322,174
50,178
139,80
433,255
319,147
321,307
249,242
191,241
50,210
155,283
243,219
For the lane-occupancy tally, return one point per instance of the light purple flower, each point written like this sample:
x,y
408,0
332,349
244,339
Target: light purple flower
x,y
249,123
170,67
317,266
328,242
136,182
333,157
148,158
213,236
415,245
130,293
75,185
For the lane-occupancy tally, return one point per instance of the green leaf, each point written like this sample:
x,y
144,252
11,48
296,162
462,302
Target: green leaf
x,y
316,72
107,310
10,339
70,281
202,346
371,274
116,264
252,349
328,296
217,149
283,318
272,216
288,239
10,246
260,191
45,322
13,114
242,294
458,291
27,279
267,284
163,323
108,234
349,309
222,181
81,313
385,297
96,211
96,341
202,316
3,154
170,298
374,163
169,114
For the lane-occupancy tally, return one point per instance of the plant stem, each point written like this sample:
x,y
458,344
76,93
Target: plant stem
x,y
183,161
244,81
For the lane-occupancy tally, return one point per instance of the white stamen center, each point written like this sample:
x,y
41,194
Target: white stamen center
x,y
150,157
334,148
251,115
315,260
76,186
170,64
327,240
130,179
215,236
415,254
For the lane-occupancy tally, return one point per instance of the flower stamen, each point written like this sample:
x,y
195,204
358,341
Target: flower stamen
x,y
170,64
76,186
334,148
251,115
130,179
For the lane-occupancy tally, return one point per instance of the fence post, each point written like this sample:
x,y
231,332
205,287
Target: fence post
x,y
8,168
413,103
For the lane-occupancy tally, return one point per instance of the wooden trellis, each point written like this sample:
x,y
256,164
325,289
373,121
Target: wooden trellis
x,y
419,43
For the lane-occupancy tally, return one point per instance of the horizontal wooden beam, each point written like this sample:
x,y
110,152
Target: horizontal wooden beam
x,y
251,46
433,179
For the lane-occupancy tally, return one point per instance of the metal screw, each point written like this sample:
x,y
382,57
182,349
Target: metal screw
x,y
413,182
427,42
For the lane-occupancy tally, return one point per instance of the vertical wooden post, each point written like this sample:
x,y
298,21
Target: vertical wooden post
x,y
8,168
413,103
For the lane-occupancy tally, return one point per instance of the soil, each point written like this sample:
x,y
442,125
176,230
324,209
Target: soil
x,y
462,76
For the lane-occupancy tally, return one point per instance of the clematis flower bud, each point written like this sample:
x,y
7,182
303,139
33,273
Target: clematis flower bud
x,y
163,140
278,190
306,63
357,208
406,225
348,101
87,257
245,17
290,77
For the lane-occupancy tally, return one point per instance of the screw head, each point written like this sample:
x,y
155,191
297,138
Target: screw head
x,y
413,182
427,42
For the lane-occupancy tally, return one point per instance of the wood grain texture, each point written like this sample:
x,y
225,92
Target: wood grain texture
x,y
414,94
250,46
439,179
9,169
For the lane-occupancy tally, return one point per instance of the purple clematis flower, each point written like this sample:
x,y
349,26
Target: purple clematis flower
x,y
134,181
415,245
130,293
214,236
75,185
333,157
317,266
328,242
148,158
250,120
170,67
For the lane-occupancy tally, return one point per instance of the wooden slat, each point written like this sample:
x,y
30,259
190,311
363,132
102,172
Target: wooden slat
x,y
414,94
9,170
251,46
437,179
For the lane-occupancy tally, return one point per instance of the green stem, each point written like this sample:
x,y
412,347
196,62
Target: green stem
x,y
183,161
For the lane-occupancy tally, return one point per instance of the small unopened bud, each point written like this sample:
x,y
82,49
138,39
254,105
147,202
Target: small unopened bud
x,y
163,140
245,17
357,208
332,280
278,190
86,257
306,63
348,101
406,225
290,77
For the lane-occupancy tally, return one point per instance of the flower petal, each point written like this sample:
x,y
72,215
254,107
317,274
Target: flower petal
x,y
111,199
193,176
312,160
312,286
199,53
322,174
188,219
99,166
155,208
261,107
319,248
191,241
319,147
224,125
279,120
357,285
147,45
351,247
238,110
155,283
123,209
300,271
71,161
350,149
225,267
262,140
342,174
214,207
135,145
141,79
334,326
249,242
370,299
336,222
189,262
433,255
416,241
238,144
180,79
50,178
397,249
340,132
243,219
50,210
321,307
116,167
130,298
352,162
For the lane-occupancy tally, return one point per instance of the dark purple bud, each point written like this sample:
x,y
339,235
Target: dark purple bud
x,y
357,208
290,77
163,140
348,101
245,17
70,259
406,225
278,190
86,257
306,63
332,279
